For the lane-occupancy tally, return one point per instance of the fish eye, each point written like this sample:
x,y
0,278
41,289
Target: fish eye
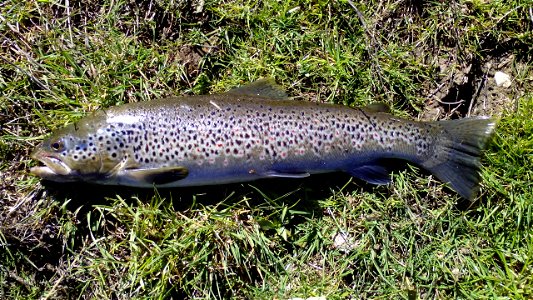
x,y
57,145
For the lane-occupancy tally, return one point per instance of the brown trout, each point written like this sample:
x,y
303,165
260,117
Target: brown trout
x,y
255,132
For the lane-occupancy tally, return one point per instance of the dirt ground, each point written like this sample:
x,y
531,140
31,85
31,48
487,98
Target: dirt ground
x,y
471,89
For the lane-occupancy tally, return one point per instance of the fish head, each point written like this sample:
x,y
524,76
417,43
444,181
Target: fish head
x,y
73,154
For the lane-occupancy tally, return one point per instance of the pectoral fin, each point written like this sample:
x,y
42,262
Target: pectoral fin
x,y
157,176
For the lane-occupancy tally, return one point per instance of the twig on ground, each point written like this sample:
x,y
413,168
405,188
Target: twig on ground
x,y
450,103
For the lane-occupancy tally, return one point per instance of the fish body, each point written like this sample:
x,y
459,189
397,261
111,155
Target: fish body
x,y
255,132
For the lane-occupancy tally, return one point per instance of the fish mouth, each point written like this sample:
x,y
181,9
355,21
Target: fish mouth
x,y
54,168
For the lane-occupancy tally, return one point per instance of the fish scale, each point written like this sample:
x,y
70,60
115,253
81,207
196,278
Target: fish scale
x,y
199,129
255,132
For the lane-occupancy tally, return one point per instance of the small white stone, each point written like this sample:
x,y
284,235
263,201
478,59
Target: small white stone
x,y
344,242
340,240
502,79
293,10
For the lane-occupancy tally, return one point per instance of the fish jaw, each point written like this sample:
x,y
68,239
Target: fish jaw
x,y
54,169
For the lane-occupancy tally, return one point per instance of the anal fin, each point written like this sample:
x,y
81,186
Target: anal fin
x,y
286,174
375,174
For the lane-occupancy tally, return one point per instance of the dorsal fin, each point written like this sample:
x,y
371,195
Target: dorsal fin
x,y
265,87
377,107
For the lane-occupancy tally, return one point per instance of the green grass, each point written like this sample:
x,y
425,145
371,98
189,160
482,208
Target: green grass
x,y
327,236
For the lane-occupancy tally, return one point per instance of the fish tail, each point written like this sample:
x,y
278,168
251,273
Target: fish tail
x,y
457,159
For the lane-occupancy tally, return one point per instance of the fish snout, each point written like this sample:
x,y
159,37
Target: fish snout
x,y
53,165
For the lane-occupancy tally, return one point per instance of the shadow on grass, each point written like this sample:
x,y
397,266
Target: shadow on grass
x,y
307,191
304,193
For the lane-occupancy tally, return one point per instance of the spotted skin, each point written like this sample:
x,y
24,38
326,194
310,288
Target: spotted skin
x,y
260,135
231,138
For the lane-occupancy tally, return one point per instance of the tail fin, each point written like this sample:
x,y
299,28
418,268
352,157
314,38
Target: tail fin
x,y
460,150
